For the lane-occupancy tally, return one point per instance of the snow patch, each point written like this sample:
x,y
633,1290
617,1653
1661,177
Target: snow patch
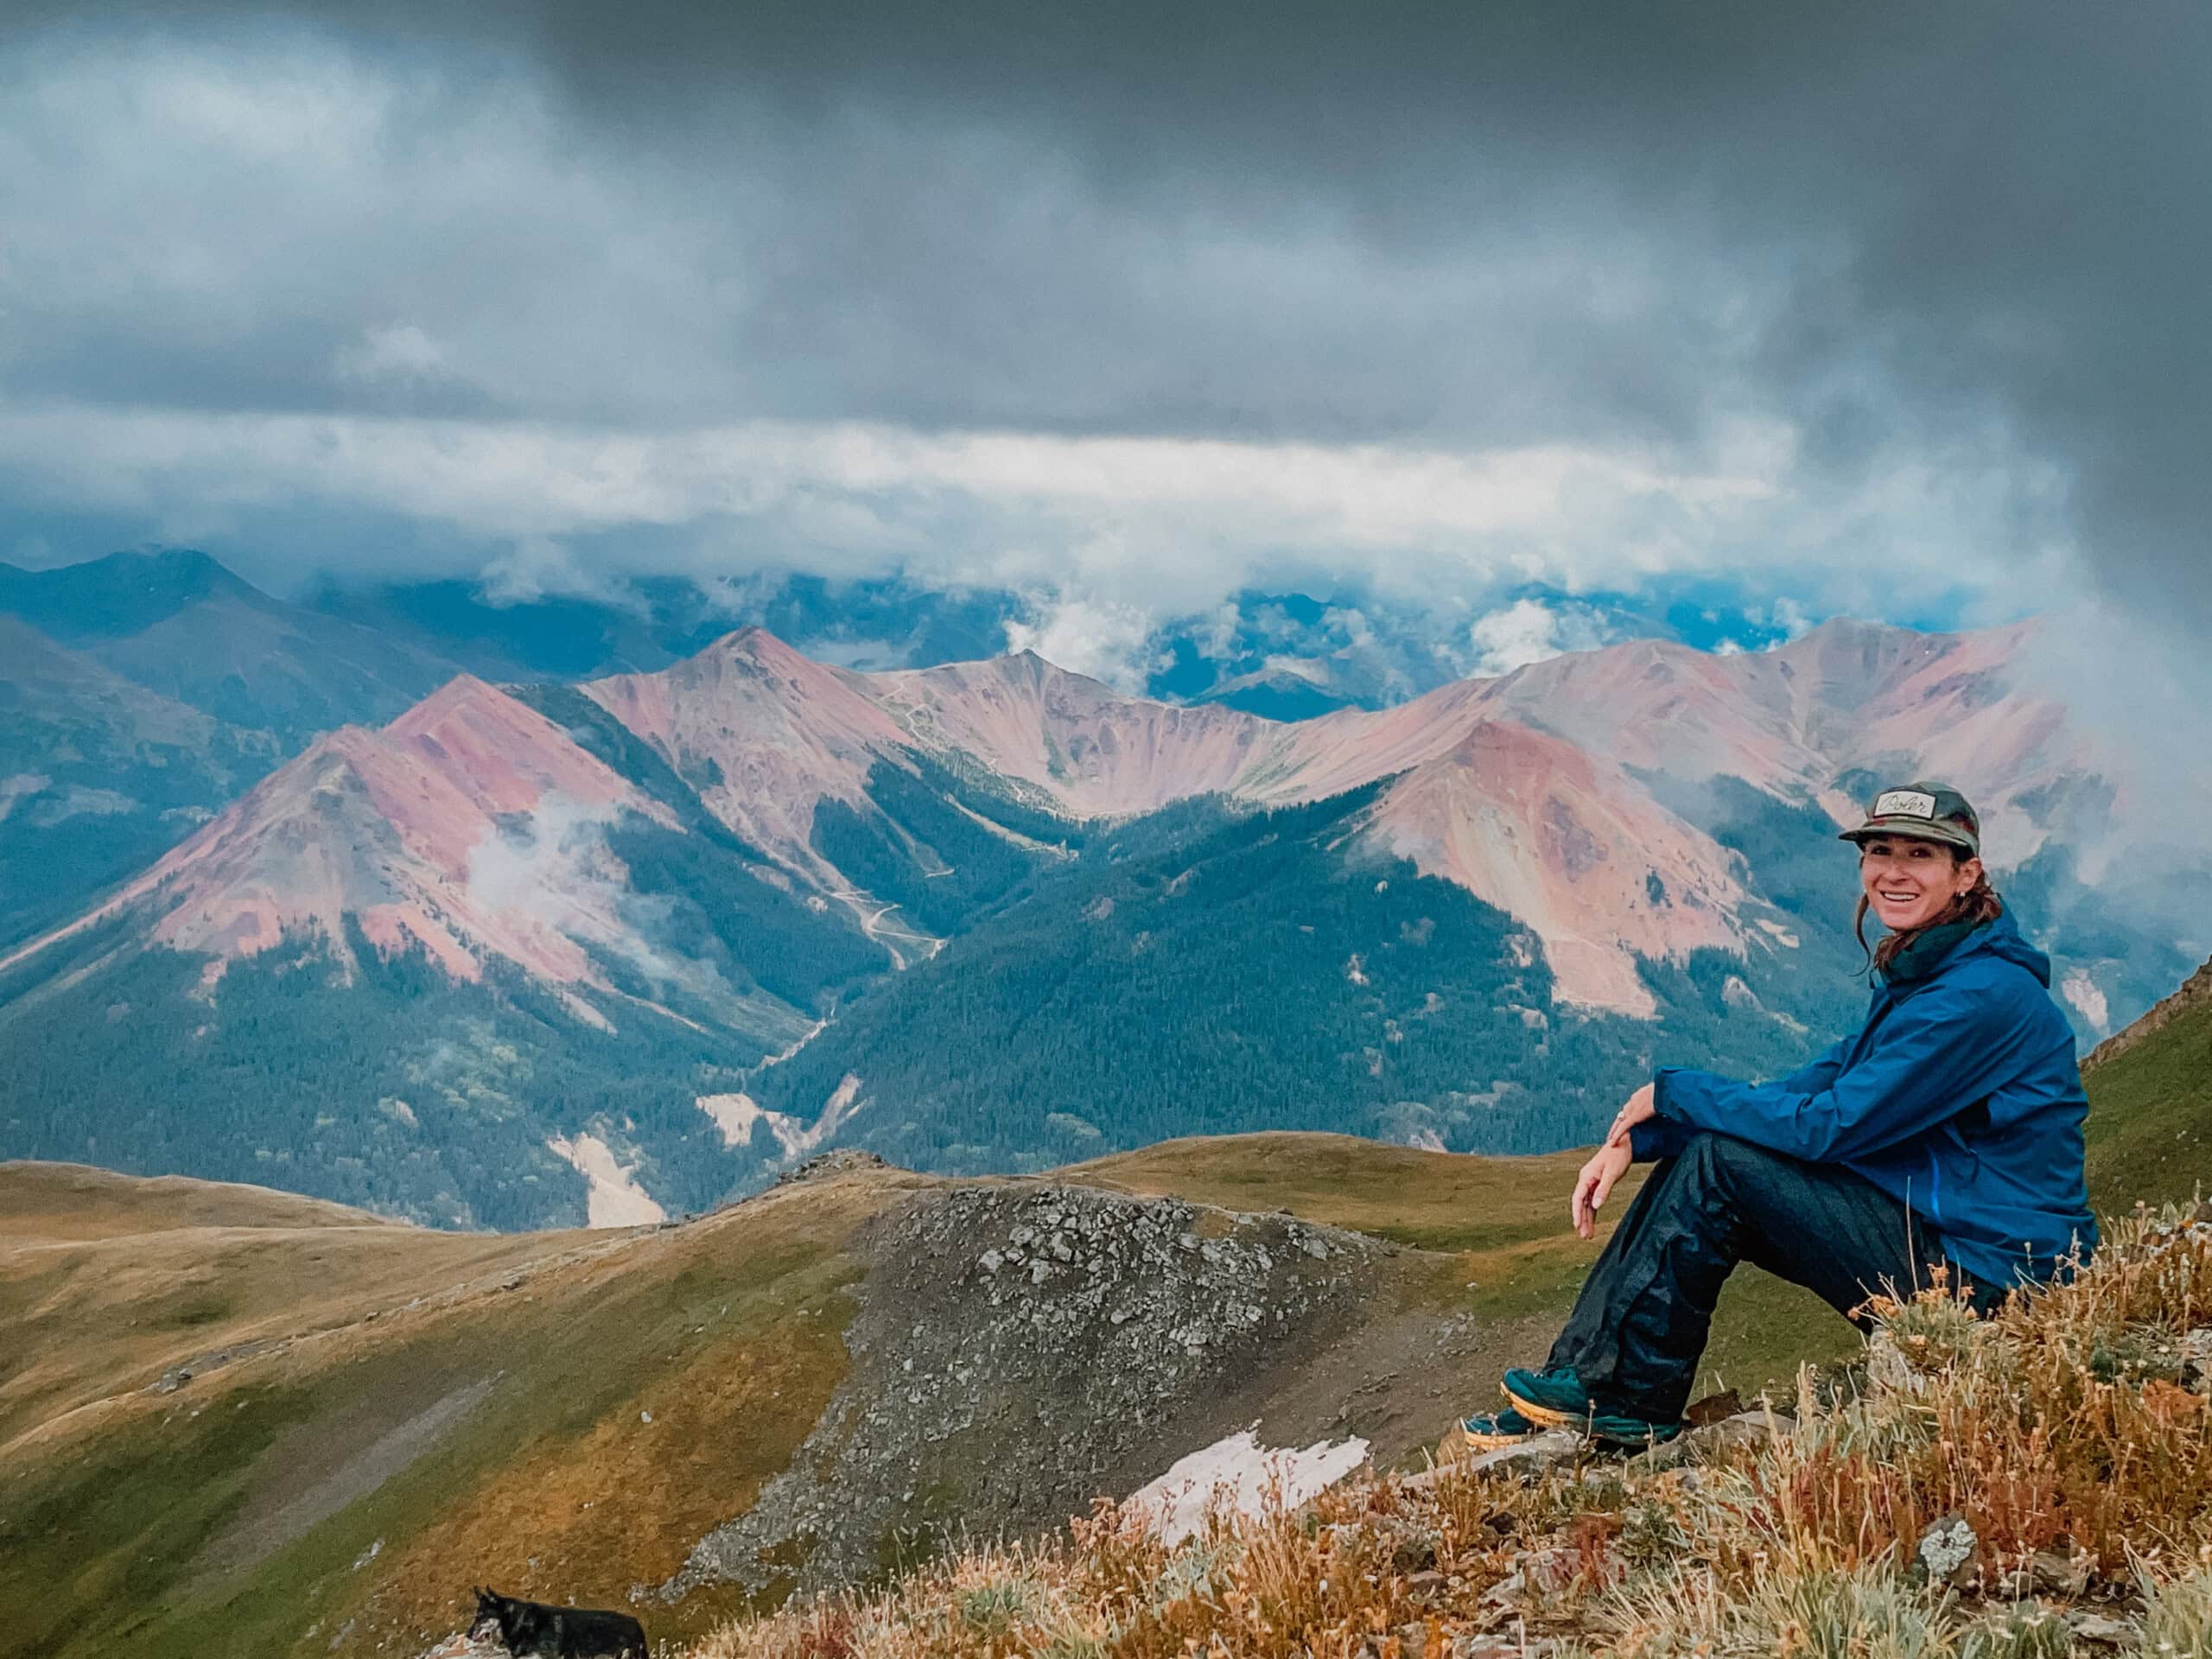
x,y
1777,932
1241,1476
616,1199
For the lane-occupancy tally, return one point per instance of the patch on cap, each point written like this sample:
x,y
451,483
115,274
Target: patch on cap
x,y
1922,811
1904,803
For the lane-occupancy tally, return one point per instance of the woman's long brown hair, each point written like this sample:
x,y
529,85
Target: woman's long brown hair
x,y
1978,904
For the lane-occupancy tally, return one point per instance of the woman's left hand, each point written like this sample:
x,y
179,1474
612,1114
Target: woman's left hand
x,y
1640,1105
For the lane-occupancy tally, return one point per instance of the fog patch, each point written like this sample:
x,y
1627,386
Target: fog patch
x,y
553,867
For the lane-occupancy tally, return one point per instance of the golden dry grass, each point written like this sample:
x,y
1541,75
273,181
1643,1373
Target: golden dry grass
x,y
162,1516
76,1201
92,1318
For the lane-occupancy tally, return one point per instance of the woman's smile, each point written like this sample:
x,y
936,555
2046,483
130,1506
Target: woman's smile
x,y
1909,883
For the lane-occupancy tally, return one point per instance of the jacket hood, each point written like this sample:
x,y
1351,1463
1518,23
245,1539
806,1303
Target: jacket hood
x,y
2002,939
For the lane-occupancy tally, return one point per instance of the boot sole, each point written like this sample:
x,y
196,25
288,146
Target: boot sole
x,y
1471,1442
1581,1422
1546,1416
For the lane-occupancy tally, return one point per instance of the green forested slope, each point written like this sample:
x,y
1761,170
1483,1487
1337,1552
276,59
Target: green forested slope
x,y
1209,971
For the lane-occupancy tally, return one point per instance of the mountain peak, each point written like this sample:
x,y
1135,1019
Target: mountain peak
x,y
755,643
119,594
463,691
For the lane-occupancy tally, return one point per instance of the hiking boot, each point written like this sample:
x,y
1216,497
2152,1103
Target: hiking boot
x,y
1489,1431
1556,1399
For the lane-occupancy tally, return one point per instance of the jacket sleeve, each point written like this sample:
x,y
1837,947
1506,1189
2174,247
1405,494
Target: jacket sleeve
x,y
1935,1054
1664,1137
1657,1138
1820,1071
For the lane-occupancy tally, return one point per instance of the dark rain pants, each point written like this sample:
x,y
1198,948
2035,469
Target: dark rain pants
x,y
1640,1321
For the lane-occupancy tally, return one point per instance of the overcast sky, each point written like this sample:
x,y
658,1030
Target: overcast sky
x,y
1894,309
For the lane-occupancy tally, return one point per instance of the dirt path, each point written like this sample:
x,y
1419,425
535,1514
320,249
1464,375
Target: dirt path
x,y
871,911
1399,1384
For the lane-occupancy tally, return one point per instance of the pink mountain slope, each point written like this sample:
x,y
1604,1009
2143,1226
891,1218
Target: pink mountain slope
x,y
762,734
1096,752
1524,789
1570,847
1508,784
402,829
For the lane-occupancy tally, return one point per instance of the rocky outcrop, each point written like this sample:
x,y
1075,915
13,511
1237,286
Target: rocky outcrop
x,y
1023,1349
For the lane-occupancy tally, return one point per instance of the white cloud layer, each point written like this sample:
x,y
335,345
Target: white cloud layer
x,y
398,351
280,272
1165,525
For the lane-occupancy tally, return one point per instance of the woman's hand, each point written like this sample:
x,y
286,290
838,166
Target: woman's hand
x,y
1642,1104
1596,1181
1609,1163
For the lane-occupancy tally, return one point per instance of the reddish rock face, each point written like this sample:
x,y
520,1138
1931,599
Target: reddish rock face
x,y
1569,845
405,828
762,734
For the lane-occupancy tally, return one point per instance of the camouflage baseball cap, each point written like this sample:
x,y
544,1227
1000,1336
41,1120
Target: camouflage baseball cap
x,y
1921,812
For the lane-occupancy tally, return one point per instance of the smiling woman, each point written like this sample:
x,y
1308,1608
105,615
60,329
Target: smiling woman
x,y
1941,1143
1920,870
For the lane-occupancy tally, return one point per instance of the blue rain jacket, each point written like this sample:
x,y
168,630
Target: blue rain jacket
x,y
1960,1098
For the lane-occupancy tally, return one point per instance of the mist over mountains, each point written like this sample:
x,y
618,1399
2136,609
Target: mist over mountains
x,y
299,895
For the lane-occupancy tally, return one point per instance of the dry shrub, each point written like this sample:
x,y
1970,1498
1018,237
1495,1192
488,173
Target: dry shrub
x,y
2178,1617
2057,1420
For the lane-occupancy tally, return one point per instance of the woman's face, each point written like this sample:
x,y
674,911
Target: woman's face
x,y
1909,882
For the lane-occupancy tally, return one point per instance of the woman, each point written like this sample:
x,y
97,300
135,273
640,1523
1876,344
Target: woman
x,y
1946,1132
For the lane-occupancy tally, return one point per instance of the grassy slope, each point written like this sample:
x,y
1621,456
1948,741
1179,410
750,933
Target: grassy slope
x,y
209,1519
1498,1223
2151,1116
77,1201
166,1519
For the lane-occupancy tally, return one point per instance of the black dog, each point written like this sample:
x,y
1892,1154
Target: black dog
x,y
532,1628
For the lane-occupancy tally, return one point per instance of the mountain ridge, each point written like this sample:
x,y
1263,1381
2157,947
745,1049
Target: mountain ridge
x,y
710,883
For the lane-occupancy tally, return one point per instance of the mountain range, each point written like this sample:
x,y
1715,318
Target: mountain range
x,y
141,691
618,946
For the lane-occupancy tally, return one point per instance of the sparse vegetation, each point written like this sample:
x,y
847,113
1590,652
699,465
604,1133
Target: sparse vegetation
x,y
1996,1483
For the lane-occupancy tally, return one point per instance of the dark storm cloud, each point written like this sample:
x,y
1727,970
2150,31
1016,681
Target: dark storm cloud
x,y
1446,225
